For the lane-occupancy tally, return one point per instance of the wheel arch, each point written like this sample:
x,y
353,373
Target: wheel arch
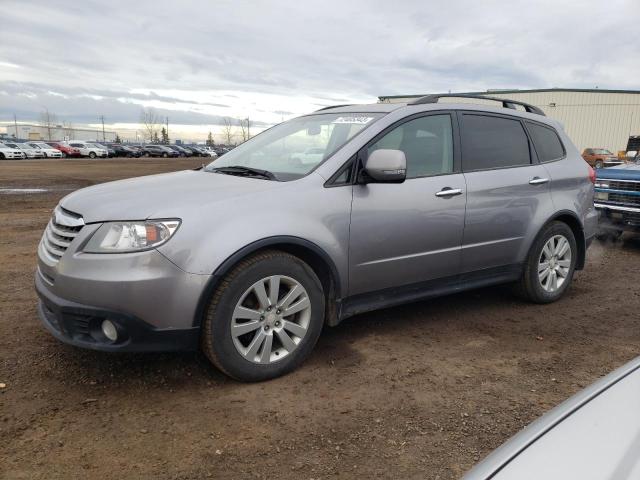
x,y
319,261
573,222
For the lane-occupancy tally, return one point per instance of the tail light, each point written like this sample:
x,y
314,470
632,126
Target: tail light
x,y
592,175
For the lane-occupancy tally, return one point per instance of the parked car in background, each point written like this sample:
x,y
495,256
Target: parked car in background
x,y
87,149
592,436
181,152
110,151
617,200
250,256
67,151
195,152
600,158
125,151
27,150
10,153
159,151
48,150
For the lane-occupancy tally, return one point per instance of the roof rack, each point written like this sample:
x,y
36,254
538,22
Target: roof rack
x,y
334,106
506,103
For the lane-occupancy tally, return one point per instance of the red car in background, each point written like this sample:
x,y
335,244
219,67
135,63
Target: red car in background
x,y
66,150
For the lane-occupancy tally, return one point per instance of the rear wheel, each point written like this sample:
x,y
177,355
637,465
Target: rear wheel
x,y
550,264
264,318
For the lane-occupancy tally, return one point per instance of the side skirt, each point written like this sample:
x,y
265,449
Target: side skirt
x,y
390,297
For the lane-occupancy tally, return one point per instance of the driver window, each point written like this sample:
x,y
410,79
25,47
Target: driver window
x,y
427,143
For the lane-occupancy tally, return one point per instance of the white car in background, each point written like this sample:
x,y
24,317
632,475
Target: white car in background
x,y
209,151
87,149
309,156
27,150
47,149
8,153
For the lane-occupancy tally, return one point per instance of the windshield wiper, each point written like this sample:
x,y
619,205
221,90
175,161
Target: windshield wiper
x,y
245,171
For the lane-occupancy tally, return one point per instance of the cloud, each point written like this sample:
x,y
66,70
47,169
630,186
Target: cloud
x,y
199,61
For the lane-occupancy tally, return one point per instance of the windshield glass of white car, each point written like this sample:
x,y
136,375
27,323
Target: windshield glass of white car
x,y
294,148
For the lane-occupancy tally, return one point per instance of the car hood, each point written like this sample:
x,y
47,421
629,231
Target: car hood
x,y
627,171
160,196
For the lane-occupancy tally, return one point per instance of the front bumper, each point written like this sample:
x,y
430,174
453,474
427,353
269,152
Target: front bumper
x,y
618,217
80,325
153,303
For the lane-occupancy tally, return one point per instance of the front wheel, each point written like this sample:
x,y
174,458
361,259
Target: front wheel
x,y
92,154
165,155
550,264
264,318
598,164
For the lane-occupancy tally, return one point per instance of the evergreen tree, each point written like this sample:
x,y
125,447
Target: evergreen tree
x,y
118,140
155,137
164,136
210,141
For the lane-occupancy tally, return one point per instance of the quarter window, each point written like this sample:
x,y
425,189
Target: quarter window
x,y
427,143
546,141
493,142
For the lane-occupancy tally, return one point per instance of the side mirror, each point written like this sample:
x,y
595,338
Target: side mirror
x,y
386,166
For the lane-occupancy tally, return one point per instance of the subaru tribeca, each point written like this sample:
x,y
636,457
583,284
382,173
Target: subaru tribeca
x,y
250,256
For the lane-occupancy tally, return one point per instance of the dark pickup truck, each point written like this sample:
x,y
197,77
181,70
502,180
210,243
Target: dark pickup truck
x,y
617,199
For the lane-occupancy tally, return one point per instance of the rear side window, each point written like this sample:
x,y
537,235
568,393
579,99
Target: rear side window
x,y
546,142
493,142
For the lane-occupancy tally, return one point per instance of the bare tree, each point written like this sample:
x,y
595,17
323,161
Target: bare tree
x,y
228,130
244,129
67,130
150,120
48,121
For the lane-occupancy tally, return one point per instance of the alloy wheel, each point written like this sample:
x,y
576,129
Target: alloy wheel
x,y
554,263
271,319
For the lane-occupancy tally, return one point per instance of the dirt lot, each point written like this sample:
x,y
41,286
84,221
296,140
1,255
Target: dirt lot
x,y
420,391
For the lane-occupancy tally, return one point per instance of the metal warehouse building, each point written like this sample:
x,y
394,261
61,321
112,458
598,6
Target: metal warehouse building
x,y
591,117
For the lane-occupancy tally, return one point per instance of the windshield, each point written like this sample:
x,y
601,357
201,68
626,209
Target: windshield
x,y
601,151
294,148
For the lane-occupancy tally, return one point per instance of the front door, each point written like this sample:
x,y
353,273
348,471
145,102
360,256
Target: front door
x,y
403,234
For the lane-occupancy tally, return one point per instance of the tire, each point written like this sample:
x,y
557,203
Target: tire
x,y
2,156
222,348
531,286
64,155
146,154
598,164
92,154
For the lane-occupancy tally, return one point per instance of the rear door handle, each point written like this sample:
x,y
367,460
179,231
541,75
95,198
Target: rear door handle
x,y
448,192
538,181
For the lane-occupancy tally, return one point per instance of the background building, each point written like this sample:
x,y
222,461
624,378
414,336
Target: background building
x,y
591,117
32,131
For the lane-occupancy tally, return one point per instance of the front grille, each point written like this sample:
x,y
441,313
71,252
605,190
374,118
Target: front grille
x,y
623,198
60,232
623,185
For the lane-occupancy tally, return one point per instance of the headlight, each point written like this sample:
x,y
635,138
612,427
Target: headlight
x,y
121,237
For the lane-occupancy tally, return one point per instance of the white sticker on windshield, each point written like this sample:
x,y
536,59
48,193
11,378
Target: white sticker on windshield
x,y
353,120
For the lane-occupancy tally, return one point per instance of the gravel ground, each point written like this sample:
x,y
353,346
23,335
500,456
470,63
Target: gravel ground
x,y
420,391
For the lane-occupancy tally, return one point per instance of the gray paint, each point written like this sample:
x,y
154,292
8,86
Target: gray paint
x,y
377,235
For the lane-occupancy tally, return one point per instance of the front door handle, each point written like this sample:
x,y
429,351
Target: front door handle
x,y
538,181
449,192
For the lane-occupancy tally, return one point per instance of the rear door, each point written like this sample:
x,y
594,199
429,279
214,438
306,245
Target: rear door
x,y
508,196
408,233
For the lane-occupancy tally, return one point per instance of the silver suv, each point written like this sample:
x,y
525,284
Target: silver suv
x,y
250,256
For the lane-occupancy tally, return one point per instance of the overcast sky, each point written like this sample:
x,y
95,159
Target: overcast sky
x,y
200,60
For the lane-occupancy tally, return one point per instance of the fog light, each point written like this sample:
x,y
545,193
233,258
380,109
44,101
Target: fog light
x,y
109,330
